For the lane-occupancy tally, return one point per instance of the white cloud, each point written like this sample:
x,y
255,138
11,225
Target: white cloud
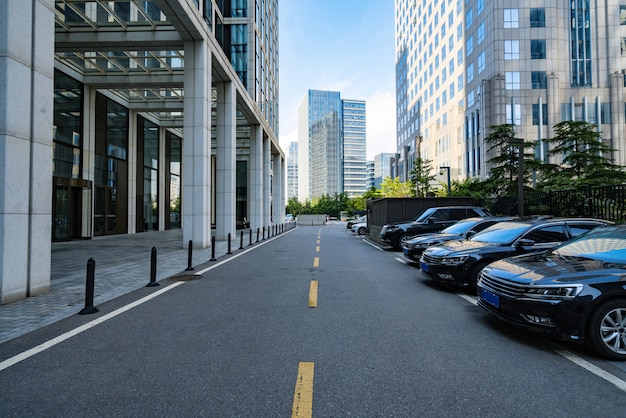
x,y
381,123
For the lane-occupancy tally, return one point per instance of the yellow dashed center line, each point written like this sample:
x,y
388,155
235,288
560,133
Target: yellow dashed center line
x,y
303,393
317,249
316,262
313,294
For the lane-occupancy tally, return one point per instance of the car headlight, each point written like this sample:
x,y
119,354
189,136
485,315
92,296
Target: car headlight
x,y
554,292
454,261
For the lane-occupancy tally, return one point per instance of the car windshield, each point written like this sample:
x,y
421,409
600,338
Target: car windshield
x,y
606,244
460,227
501,233
425,215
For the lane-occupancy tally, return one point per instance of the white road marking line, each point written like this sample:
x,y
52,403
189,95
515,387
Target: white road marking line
x,y
401,260
372,244
593,369
470,299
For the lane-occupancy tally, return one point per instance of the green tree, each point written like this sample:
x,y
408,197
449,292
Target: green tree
x,y
395,188
421,176
585,158
293,206
504,173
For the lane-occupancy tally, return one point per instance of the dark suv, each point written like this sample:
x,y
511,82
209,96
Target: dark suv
x,y
432,220
460,262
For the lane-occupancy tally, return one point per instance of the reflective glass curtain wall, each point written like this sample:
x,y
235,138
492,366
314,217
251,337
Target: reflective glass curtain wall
x,y
147,175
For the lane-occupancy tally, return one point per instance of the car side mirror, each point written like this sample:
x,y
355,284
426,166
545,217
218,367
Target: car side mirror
x,y
470,234
525,242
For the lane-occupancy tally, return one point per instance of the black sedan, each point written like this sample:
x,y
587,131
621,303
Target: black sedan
x,y
460,262
576,291
414,247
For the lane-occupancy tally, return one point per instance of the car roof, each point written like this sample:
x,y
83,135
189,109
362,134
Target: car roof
x,y
539,219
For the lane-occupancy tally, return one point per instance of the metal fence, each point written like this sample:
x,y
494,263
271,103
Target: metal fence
x,y
604,202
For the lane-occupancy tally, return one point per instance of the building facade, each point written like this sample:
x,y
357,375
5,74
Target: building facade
x,y
383,167
331,145
465,66
153,115
292,171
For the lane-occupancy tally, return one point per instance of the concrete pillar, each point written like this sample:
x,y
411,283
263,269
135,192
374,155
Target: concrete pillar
x,y
26,117
196,193
267,181
256,177
277,192
226,161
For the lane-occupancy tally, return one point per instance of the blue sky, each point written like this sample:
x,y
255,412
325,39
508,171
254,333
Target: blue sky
x,y
339,45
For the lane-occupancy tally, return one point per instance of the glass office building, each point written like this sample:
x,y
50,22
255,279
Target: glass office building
x,y
332,147
131,116
463,66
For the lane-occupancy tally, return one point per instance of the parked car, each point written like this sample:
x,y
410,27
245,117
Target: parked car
x,y
360,219
460,262
360,228
575,291
464,229
432,220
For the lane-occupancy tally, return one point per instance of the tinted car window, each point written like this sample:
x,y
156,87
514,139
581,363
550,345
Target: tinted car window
x,y
554,233
425,215
501,233
579,229
442,215
458,214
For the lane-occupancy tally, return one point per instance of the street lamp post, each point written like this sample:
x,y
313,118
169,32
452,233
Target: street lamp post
x,y
441,169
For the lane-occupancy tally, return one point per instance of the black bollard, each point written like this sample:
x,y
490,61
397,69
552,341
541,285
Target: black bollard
x,y
257,235
212,248
189,254
153,267
263,232
89,289
241,241
229,244
250,236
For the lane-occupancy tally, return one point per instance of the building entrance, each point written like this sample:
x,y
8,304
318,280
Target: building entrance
x,y
71,209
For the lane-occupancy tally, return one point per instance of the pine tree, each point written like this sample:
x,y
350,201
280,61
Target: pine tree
x,y
421,176
585,158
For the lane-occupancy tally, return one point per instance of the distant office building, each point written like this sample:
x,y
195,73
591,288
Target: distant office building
x,y
121,117
383,167
369,168
292,171
463,67
331,151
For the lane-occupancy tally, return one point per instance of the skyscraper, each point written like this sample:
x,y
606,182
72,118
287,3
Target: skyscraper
x,y
463,67
292,171
331,151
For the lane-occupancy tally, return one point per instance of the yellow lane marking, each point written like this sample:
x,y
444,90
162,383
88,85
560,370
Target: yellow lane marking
x,y
316,262
318,241
317,249
303,393
313,294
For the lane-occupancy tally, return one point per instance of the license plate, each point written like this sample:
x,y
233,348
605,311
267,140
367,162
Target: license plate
x,y
423,266
490,298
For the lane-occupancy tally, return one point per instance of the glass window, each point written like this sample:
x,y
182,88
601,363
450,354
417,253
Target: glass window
x,y
469,45
538,17
511,18
538,79
622,15
537,49
67,128
514,114
480,33
511,50
481,62
548,234
540,118
512,80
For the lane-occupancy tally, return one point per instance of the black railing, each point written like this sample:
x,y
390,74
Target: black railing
x,y
604,202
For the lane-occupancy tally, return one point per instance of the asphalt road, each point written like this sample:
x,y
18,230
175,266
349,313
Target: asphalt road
x,y
242,341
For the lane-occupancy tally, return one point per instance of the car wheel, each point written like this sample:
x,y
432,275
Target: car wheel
x,y
607,329
473,281
361,231
401,239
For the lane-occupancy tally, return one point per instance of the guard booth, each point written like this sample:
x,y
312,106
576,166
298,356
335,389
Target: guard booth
x,y
397,209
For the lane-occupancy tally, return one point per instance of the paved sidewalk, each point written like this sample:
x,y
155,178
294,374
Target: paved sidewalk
x,y
122,265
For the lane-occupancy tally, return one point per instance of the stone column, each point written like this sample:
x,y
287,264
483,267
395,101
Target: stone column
x,y
196,193
26,118
277,193
256,177
267,177
226,161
